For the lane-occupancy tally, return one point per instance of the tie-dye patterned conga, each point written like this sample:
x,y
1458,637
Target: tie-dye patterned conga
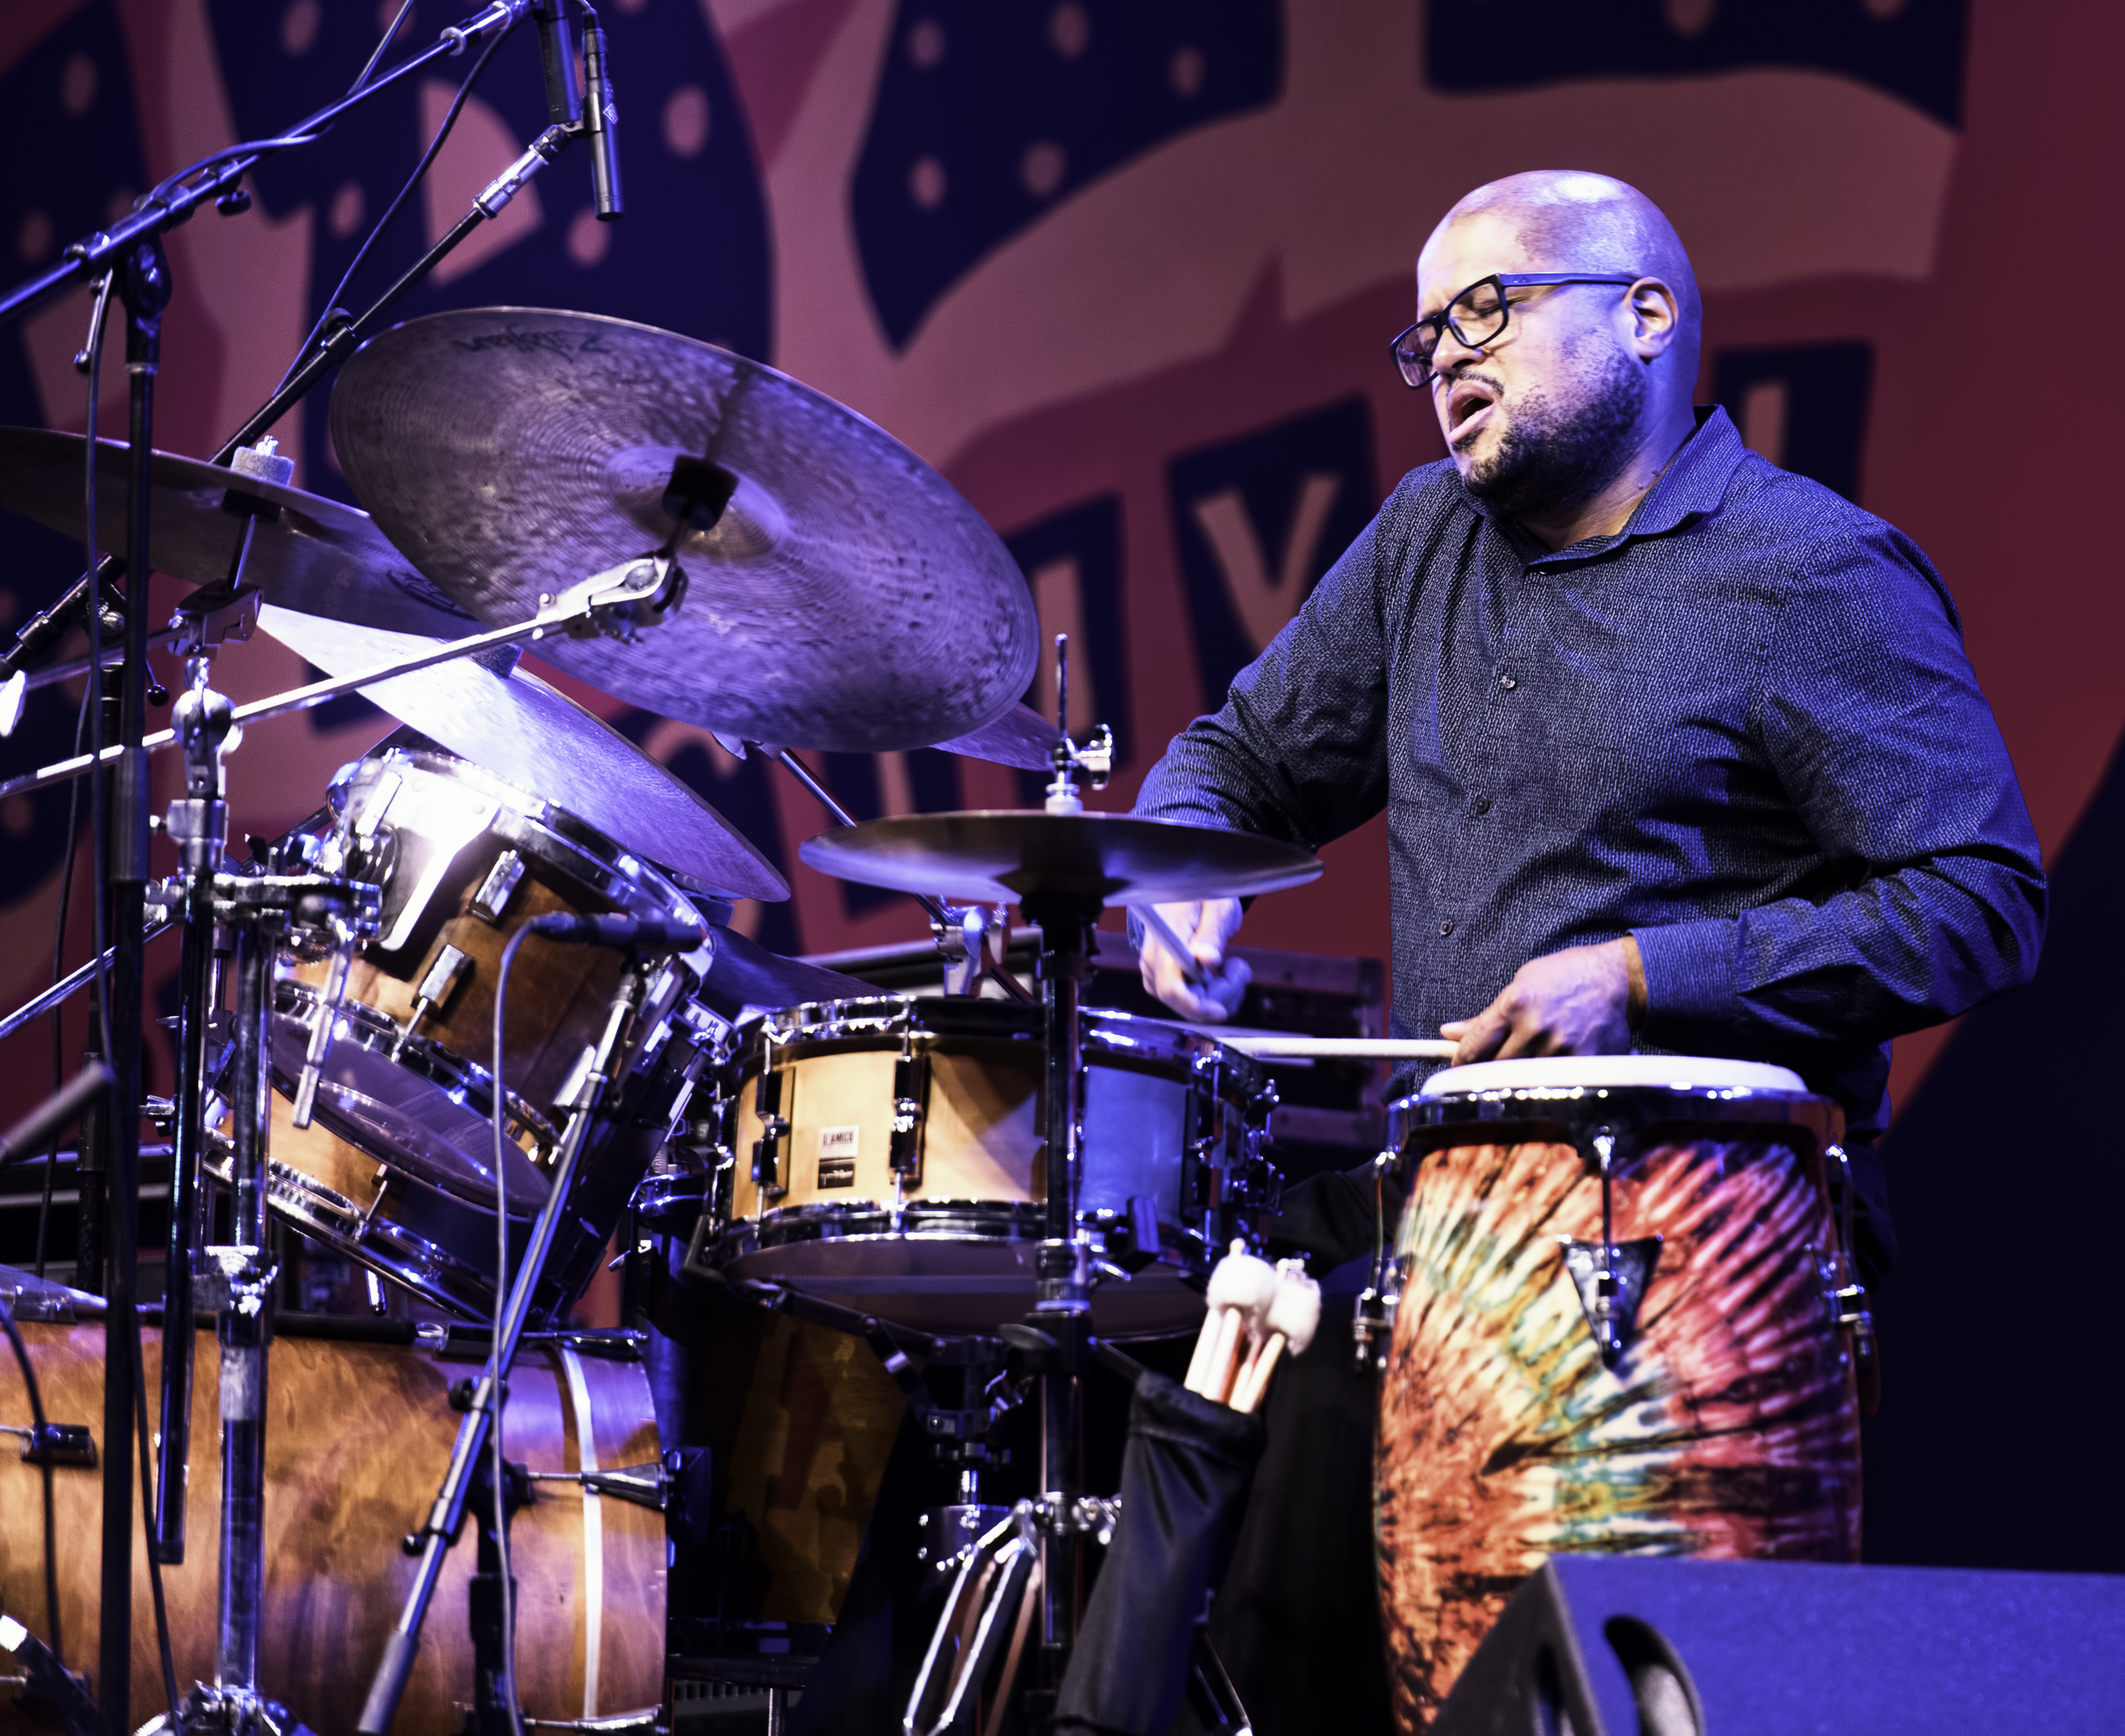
x,y
1719,1417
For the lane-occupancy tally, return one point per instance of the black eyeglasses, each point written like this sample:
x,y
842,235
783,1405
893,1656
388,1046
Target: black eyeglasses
x,y
1476,316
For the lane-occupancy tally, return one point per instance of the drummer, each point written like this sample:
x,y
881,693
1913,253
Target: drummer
x,y
1679,751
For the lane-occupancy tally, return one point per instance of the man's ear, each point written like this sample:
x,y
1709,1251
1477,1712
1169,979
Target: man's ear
x,y
1656,317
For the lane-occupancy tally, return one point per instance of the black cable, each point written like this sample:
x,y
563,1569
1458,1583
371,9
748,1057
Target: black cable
x,y
389,37
93,695
421,169
52,1544
136,597
147,1515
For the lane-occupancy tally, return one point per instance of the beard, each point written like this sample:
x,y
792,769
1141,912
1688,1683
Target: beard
x,y
1554,457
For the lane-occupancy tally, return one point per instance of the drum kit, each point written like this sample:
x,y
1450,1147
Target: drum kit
x,y
770,567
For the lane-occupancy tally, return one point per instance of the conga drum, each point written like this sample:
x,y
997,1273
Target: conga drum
x,y
1700,1402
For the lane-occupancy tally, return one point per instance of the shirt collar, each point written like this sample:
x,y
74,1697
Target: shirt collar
x,y
1693,484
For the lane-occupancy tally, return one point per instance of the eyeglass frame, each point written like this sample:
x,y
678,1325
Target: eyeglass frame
x,y
1504,279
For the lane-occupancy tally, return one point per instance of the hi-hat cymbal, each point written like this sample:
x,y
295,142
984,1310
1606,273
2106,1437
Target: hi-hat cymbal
x,y
317,555
1009,855
542,741
1020,737
847,597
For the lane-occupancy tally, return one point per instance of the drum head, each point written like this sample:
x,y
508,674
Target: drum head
x,y
1687,1073
399,1117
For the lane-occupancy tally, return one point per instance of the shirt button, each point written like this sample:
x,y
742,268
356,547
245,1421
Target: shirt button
x,y
1507,683
1446,925
1481,805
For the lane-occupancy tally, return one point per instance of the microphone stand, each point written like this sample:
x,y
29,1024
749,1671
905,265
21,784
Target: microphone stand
x,y
447,1517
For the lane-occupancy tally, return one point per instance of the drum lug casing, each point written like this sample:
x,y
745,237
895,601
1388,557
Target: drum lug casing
x,y
911,1097
774,1129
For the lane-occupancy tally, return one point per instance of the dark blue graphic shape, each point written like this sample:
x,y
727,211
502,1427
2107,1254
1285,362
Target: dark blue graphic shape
x,y
987,116
743,798
1269,470
68,133
854,780
1090,536
1826,389
691,254
1915,54
1951,1483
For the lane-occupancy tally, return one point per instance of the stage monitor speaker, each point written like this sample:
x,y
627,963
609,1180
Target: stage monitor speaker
x,y
1647,1645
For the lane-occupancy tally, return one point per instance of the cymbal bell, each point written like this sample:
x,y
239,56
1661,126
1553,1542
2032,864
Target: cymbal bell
x,y
1009,856
841,594
311,553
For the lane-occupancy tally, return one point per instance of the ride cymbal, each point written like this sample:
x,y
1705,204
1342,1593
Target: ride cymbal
x,y
842,595
1000,856
308,554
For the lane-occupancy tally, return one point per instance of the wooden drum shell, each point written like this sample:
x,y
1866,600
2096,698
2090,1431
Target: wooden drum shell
x,y
357,1440
1729,1429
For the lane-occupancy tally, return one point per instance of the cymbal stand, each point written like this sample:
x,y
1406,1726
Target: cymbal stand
x,y
446,1515
198,823
966,934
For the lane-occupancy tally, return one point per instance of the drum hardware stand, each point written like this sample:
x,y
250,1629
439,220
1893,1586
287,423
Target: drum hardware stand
x,y
1372,1319
1849,1311
617,603
446,1517
971,937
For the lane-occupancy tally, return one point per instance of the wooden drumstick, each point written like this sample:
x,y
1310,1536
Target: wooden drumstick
x,y
1292,1316
1240,1288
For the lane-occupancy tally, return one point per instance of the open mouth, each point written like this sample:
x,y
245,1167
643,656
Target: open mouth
x,y
1467,406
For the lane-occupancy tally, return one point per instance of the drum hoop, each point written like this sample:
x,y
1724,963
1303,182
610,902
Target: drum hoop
x,y
1109,1037
550,834
1642,1115
464,1080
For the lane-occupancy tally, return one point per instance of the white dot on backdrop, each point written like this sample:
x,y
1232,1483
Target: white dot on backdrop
x,y
77,84
588,238
1186,70
1043,168
926,183
687,120
301,22
1690,18
925,42
1883,9
33,239
349,205
386,10
1069,30
122,202
631,6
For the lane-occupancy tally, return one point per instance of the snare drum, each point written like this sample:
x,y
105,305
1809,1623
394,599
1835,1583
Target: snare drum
x,y
825,1098
1729,1424
396,1170
357,1443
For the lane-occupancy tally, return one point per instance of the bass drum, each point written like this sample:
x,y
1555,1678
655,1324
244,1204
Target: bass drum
x,y
357,1439
1728,1427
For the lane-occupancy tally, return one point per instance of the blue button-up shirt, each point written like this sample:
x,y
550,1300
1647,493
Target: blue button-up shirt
x,y
1744,730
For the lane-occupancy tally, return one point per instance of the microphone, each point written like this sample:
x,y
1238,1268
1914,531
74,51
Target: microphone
x,y
600,118
657,934
557,49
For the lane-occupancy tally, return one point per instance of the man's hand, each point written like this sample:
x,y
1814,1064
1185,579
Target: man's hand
x,y
1204,929
1584,1000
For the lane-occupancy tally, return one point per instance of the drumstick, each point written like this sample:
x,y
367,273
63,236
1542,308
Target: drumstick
x,y
1194,972
1269,1046
1254,1378
1292,1316
1240,1289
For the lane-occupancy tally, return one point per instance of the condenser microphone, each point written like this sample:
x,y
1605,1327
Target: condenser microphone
x,y
654,933
557,49
600,118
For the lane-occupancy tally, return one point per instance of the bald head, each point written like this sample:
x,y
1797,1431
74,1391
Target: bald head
x,y
1565,219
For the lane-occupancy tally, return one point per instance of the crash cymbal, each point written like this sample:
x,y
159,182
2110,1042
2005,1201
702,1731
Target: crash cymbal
x,y
847,597
317,556
746,973
1009,855
1020,737
542,741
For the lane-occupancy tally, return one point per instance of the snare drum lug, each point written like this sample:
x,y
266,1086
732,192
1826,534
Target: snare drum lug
x,y
500,886
910,1094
